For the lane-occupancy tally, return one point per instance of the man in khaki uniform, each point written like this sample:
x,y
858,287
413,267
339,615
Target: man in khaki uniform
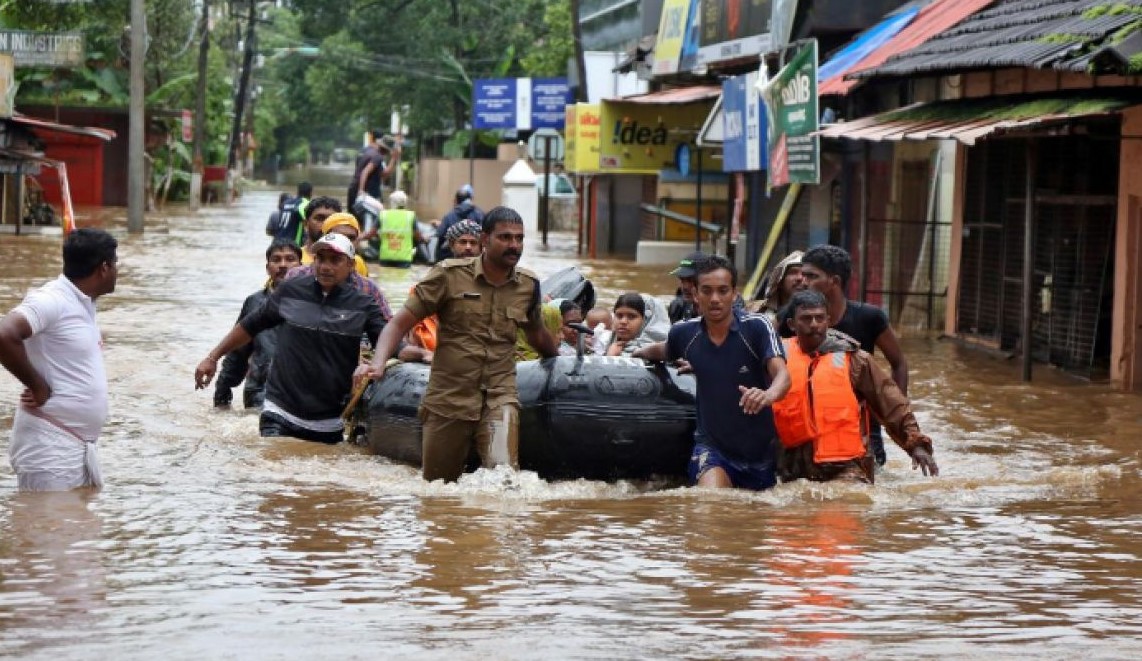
x,y
471,396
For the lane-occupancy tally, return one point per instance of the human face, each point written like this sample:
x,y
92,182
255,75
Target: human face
x,y
465,245
331,268
687,286
810,326
110,272
346,231
814,278
280,262
627,324
791,282
316,219
715,295
504,244
570,335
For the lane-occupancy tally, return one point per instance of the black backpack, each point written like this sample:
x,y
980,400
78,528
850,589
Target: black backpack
x,y
289,219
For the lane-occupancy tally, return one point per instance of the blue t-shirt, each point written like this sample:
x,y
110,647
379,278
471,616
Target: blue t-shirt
x,y
719,370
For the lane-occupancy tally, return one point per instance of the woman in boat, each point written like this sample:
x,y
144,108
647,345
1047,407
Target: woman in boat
x,y
639,320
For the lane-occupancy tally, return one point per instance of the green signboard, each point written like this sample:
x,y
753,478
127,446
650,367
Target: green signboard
x,y
791,99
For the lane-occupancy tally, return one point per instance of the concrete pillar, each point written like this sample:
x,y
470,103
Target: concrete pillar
x,y
520,193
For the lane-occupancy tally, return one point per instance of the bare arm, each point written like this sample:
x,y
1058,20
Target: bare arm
x,y
540,338
890,347
14,329
399,326
653,352
365,172
237,337
753,400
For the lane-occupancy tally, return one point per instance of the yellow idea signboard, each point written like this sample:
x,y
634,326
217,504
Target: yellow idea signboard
x,y
641,138
581,151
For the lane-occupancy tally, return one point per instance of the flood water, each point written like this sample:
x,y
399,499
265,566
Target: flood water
x,y
211,542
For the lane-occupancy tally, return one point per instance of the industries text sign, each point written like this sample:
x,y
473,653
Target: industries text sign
x,y
43,49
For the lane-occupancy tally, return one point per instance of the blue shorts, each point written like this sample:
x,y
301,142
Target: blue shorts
x,y
756,475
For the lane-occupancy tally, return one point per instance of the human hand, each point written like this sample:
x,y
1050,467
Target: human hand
x,y
753,400
427,356
36,397
684,366
616,348
922,459
369,372
205,372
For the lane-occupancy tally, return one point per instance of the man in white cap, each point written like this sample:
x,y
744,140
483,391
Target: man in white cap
x,y
321,318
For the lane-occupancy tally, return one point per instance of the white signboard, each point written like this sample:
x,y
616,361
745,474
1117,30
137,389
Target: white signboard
x,y
43,49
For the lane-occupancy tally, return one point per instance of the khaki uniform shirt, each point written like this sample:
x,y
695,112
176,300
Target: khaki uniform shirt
x,y
473,365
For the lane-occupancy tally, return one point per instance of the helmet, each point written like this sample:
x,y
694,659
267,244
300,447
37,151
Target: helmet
x,y
398,199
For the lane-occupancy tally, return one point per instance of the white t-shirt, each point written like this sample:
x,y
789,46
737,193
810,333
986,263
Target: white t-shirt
x,y
66,348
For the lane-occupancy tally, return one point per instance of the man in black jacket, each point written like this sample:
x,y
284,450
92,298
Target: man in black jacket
x,y
252,361
320,319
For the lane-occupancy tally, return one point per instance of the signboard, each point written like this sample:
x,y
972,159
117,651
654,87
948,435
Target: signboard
x,y
732,30
519,103
187,126
688,59
781,24
537,145
743,147
43,49
7,86
581,149
671,31
641,138
791,101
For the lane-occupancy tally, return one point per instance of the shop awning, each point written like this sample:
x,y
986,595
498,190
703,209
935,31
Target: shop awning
x,y
674,97
43,124
967,121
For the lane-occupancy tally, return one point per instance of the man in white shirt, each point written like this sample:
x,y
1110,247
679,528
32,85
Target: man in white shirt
x,y
51,344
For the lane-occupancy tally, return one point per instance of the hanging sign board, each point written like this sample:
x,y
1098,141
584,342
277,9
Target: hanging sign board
x,y
791,102
43,49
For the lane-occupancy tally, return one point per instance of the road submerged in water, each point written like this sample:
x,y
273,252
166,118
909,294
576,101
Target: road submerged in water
x,y
210,541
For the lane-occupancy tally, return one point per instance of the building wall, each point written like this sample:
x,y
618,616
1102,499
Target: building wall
x,y
1126,337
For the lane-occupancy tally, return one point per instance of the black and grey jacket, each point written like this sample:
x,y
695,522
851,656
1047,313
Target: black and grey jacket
x,y
250,362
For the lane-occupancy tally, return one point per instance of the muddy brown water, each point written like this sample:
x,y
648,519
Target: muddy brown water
x,y
210,542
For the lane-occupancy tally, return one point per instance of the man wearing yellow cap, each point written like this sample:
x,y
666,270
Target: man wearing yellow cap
x,y
345,225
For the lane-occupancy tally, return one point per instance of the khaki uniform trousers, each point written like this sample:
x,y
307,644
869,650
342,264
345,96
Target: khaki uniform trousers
x,y
448,441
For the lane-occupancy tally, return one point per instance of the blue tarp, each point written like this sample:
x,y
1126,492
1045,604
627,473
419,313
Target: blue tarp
x,y
866,43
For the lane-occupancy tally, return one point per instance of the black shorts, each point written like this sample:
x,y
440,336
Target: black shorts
x,y
270,424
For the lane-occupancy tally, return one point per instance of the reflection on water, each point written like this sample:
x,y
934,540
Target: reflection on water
x,y
211,541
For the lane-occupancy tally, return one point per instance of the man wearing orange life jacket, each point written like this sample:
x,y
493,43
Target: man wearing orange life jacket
x,y
821,421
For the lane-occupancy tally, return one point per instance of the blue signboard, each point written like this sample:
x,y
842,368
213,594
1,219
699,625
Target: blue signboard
x,y
549,99
520,103
744,146
494,103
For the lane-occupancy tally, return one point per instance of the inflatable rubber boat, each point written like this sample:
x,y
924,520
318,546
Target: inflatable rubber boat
x,y
593,417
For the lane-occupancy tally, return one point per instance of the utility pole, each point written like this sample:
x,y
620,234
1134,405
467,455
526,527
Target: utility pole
x,y
240,98
580,59
200,109
136,172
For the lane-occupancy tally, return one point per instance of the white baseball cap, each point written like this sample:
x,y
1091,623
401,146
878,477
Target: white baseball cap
x,y
334,241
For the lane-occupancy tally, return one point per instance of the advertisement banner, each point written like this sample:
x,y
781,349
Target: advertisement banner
x,y
581,147
791,104
733,29
743,146
641,138
43,49
671,30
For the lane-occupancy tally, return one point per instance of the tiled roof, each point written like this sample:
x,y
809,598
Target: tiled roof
x,y
1048,34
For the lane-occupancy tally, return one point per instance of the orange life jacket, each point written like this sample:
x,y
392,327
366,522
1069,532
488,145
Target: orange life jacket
x,y
425,330
820,407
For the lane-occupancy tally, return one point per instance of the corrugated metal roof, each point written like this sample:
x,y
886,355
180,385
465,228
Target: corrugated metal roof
x,y
967,121
932,20
1057,34
676,96
89,131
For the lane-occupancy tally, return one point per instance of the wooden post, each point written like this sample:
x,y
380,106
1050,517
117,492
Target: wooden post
x,y
1028,258
198,163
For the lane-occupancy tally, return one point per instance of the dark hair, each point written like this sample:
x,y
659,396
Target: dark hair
x,y
282,243
568,306
712,263
282,200
322,203
632,300
304,189
85,249
499,215
806,298
832,260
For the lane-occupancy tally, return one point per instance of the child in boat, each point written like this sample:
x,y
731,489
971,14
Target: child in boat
x,y
600,320
640,320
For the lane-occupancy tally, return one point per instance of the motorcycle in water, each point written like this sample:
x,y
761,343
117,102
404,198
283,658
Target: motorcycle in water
x,y
368,209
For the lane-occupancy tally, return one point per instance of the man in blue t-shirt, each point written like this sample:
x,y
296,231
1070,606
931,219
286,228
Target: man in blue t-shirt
x,y
739,365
